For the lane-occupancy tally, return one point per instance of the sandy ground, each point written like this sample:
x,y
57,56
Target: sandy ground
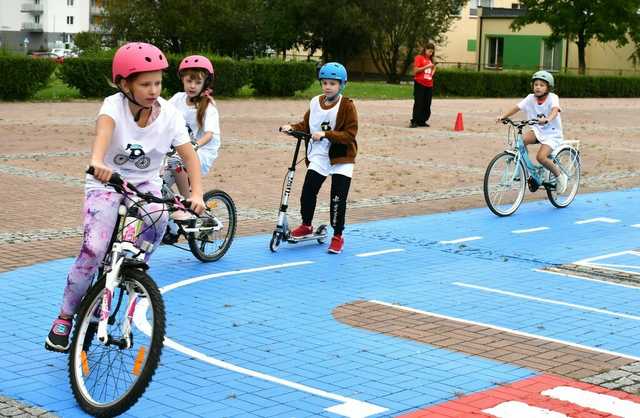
x,y
400,171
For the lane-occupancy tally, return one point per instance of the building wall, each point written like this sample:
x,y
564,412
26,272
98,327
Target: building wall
x,y
602,58
56,28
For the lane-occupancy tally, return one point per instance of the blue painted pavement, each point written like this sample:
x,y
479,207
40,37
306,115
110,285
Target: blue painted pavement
x,y
264,343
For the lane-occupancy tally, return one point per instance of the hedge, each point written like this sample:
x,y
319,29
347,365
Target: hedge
x,y
463,83
90,75
230,75
23,76
277,78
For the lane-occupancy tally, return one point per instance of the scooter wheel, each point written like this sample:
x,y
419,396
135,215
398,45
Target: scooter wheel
x,y
322,231
275,241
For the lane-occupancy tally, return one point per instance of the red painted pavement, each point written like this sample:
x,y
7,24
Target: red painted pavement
x,y
527,391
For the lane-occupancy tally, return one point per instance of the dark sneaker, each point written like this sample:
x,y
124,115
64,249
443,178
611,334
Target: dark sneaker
x,y
337,243
302,231
58,338
169,238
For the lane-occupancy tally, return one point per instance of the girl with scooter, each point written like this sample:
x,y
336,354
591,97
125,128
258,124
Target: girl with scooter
x,y
332,121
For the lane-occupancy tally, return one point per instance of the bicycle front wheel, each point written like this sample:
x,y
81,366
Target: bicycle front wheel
x,y
107,380
504,184
568,161
216,227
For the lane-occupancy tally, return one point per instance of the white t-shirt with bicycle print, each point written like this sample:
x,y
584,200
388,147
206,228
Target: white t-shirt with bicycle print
x,y
551,133
208,152
137,153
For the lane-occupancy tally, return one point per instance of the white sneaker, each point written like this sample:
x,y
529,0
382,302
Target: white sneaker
x,y
561,183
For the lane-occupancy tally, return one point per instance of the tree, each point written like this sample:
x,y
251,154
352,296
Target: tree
x,y
88,42
226,27
581,21
337,28
400,26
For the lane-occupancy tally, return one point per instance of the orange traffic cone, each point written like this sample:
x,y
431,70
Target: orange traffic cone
x,y
459,125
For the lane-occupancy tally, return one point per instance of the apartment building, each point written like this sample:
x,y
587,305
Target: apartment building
x,y
28,25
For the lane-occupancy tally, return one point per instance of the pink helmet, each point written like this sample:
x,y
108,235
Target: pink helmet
x,y
137,57
196,61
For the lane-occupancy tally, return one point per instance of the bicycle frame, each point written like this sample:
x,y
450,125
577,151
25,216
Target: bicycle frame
x,y
121,251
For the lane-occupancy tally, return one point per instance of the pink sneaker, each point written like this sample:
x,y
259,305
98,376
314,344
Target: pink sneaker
x,y
58,338
302,231
337,243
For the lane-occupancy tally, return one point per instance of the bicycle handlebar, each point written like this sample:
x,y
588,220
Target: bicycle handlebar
x,y
520,123
121,186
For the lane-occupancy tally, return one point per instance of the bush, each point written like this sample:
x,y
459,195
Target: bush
x,y
463,83
278,78
23,76
230,75
90,75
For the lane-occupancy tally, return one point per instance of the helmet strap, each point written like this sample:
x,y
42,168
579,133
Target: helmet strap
x,y
136,116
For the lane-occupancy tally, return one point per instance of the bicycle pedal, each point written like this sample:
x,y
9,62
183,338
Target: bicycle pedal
x,y
533,185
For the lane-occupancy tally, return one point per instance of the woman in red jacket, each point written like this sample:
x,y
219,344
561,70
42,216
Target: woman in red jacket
x,y
424,69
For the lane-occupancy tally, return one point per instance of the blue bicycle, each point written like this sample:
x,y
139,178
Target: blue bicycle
x,y
511,171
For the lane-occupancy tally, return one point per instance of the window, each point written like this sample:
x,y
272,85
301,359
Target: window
x,y
36,18
552,56
474,4
69,20
495,49
36,2
69,2
515,5
471,45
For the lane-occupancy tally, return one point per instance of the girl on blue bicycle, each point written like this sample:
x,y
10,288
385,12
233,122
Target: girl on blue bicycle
x,y
134,130
543,105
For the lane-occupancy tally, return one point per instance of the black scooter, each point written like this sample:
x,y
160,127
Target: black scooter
x,y
282,231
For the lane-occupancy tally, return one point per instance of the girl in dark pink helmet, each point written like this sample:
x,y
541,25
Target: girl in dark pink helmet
x,y
134,131
198,108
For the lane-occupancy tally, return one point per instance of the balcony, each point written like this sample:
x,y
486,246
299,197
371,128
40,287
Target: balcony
x,y
32,27
96,28
32,8
96,10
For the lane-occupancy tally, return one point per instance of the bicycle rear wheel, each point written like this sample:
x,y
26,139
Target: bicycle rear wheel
x,y
107,380
504,184
218,224
568,161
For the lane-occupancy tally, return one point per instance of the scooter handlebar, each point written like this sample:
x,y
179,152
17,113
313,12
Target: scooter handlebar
x,y
297,134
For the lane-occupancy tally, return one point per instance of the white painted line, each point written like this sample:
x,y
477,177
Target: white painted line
x,y
592,220
588,279
600,257
589,262
511,409
598,401
509,330
456,241
635,226
348,407
393,250
193,280
550,301
526,231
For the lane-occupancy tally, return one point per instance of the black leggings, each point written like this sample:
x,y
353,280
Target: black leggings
x,y
339,191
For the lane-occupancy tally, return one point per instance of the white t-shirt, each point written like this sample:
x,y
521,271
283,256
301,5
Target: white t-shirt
x,y
137,153
211,123
318,151
551,133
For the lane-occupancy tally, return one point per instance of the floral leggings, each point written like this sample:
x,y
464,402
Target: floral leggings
x,y
100,216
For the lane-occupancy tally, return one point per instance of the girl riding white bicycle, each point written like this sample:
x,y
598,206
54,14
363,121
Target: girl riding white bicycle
x,y
543,105
138,124
201,115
